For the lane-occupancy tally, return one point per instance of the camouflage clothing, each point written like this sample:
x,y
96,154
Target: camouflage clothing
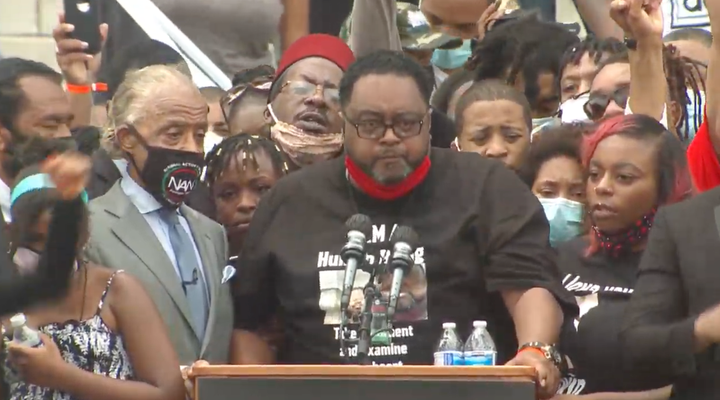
x,y
414,29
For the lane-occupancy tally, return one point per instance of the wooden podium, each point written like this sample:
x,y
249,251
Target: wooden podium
x,y
343,382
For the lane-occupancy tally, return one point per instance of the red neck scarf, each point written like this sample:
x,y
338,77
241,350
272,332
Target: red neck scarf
x,y
386,192
702,160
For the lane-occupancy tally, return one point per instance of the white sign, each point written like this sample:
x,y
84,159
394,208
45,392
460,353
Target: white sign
x,y
684,14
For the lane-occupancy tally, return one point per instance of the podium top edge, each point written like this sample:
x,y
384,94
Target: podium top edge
x,y
289,371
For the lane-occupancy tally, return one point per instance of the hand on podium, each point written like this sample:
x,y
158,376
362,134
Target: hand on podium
x,y
548,376
187,376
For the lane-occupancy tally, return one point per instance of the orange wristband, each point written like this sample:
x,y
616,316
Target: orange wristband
x,y
78,89
535,349
85,89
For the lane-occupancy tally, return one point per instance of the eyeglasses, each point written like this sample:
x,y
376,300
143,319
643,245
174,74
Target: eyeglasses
x,y
597,102
306,89
403,128
261,85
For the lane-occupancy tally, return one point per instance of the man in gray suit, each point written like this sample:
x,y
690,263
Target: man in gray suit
x,y
158,120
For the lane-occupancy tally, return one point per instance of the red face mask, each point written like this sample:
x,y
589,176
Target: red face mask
x,y
387,192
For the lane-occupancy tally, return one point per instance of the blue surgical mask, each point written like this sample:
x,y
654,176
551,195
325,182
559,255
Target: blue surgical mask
x,y
453,58
694,108
565,218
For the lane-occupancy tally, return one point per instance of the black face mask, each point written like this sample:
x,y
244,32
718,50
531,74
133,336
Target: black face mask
x,y
169,175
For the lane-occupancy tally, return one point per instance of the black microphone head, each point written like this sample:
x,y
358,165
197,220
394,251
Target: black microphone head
x,y
359,222
405,234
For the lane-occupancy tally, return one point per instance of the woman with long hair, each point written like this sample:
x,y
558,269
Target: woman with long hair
x,y
633,166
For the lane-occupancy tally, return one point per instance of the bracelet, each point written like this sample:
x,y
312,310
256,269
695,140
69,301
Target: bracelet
x,y
535,349
630,43
85,89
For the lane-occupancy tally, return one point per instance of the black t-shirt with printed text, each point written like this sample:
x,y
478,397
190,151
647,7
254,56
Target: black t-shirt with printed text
x,y
602,287
481,231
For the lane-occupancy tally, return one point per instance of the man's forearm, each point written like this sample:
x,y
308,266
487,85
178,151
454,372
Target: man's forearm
x,y
648,89
536,314
596,14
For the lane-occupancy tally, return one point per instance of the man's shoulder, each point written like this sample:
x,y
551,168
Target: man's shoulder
x,y
689,211
109,198
313,176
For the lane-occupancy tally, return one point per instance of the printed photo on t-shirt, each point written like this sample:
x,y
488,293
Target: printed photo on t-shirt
x,y
412,301
391,340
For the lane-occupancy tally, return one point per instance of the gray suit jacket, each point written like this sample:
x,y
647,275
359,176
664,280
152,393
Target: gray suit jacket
x,y
122,239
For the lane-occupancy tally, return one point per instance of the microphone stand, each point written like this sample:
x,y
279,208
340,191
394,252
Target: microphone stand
x,y
364,332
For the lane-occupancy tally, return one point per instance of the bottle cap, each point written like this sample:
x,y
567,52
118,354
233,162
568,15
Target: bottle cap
x,y
18,320
479,324
449,325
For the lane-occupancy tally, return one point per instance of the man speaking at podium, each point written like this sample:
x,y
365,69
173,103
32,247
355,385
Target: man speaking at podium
x,y
482,251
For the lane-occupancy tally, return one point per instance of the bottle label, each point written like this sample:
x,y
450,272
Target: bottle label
x,y
479,357
448,358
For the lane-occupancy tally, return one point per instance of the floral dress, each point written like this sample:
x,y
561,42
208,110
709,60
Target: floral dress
x,y
89,345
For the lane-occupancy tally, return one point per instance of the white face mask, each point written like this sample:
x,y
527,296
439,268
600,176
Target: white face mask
x,y
211,140
573,109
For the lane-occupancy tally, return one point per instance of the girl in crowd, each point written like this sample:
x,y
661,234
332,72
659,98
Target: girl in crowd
x,y
578,67
104,339
633,166
554,173
244,105
239,171
494,120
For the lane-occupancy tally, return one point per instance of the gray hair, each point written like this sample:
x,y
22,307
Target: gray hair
x,y
129,104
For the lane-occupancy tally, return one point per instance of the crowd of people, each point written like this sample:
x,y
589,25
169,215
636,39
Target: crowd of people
x,y
563,189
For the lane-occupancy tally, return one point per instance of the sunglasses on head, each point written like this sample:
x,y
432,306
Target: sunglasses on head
x,y
261,85
598,102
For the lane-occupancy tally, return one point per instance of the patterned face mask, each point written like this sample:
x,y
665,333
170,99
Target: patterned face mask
x,y
622,243
301,147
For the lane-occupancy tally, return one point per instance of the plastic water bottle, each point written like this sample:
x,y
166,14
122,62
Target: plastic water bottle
x,y
449,348
23,334
479,348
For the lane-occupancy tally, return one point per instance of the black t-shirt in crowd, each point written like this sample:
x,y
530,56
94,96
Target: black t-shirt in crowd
x,y
481,231
602,287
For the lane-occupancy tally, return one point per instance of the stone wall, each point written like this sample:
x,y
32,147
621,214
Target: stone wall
x,y
26,28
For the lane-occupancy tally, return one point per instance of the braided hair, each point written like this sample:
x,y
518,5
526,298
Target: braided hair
x,y
526,46
246,147
595,48
680,74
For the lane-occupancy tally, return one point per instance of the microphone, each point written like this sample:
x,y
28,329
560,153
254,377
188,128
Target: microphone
x,y
404,241
359,228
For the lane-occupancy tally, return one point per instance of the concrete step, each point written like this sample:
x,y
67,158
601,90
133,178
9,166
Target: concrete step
x,y
26,27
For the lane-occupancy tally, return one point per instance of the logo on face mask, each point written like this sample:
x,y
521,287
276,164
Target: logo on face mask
x,y
573,109
178,181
